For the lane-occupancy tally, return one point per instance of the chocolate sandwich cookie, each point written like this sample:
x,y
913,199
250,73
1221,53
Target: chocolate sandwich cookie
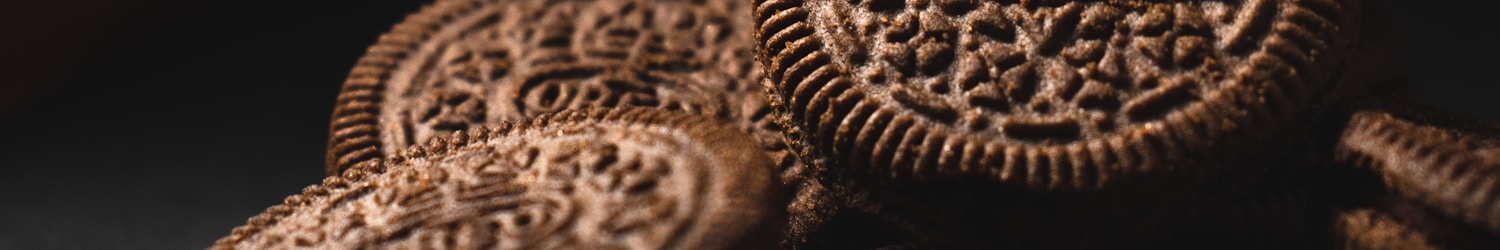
x,y
1080,113
464,63
1367,228
459,64
1396,223
1054,95
634,178
1449,164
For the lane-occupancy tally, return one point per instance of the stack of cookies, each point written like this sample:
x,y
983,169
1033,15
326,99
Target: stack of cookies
x,y
814,124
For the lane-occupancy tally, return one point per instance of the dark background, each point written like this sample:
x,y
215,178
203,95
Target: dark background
x,y
159,124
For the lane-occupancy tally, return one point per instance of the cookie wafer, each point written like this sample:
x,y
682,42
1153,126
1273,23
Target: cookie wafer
x,y
459,64
596,178
1450,165
464,63
1053,95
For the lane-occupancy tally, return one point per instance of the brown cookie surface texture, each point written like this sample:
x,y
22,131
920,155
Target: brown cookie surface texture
x,y
460,64
1395,223
463,63
1450,165
597,179
467,63
1056,95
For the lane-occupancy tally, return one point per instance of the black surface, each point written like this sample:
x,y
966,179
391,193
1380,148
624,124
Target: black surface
x,y
155,124
1452,54
183,119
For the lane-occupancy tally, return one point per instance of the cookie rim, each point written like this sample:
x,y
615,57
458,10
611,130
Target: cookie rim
x,y
354,129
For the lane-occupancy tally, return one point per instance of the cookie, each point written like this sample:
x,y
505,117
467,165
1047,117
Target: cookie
x,y
1047,95
1375,229
1394,223
459,64
1450,165
632,178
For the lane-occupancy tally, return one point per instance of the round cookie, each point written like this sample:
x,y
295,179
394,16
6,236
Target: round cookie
x,y
619,179
464,63
1054,95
